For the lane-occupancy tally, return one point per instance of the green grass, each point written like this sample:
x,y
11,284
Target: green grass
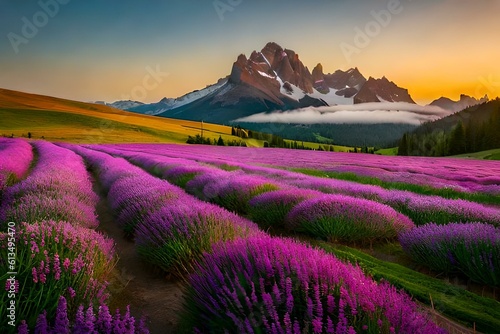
x,y
419,189
454,302
388,151
486,155
60,126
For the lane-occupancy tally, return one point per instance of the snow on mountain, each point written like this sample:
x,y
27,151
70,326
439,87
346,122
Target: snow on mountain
x,y
167,104
123,105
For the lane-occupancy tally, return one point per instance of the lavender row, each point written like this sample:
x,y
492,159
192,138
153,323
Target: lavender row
x,y
15,159
333,217
421,209
274,285
171,228
471,249
232,190
58,188
459,174
54,259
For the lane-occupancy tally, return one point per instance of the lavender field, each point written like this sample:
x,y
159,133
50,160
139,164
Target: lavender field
x,y
260,240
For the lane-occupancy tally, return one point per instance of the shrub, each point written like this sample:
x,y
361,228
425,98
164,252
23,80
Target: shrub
x,y
270,209
175,236
472,249
59,185
273,285
56,259
234,190
15,159
345,218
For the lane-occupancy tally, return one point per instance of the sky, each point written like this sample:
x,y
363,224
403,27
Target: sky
x,y
146,50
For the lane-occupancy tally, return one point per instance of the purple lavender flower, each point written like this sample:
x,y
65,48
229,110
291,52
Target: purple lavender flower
x,y
345,218
212,300
42,326
61,323
472,249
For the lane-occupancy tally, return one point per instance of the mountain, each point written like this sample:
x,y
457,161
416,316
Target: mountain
x,y
381,90
464,102
123,105
275,79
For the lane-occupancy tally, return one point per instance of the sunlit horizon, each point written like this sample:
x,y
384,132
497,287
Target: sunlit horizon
x,y
96,51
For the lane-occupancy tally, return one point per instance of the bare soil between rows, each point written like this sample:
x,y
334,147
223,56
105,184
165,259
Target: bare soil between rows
x,y
148,292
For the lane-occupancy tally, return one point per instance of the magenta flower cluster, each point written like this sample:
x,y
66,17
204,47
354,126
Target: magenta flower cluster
x,y
274,285
85,321
15,159
58,258
58,188
471,249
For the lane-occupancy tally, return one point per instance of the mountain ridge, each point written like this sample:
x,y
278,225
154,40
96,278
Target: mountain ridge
x,y
275,79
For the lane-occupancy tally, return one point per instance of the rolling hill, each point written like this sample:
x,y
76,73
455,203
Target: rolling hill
x,y
58,119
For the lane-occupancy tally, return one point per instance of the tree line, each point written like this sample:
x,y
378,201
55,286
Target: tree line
x,y
472,130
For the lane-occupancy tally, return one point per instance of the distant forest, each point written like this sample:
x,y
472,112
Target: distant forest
x,y
360,135
471,130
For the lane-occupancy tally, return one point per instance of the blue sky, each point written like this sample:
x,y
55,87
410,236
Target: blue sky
x,y
105,50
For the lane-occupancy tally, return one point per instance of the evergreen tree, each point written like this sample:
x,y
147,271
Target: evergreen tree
x,y
220,142
403,146
457,139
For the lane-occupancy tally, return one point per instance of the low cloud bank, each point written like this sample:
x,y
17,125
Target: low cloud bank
x,y
366,113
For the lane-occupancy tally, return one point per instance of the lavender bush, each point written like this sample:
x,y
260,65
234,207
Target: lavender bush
x,y
58,188
56,259
177,235
472,249
273,285
345,218
15,159
270,209
232,190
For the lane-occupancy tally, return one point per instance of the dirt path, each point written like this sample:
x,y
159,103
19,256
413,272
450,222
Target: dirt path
x,y
136,284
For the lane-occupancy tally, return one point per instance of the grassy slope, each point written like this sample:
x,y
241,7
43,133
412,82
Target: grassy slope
x,y
388,151
66,120
488,155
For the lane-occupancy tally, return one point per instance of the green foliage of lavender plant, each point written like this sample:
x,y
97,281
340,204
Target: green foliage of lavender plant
x,y
182,180
472,249
237,198
56,259
347,219
176,236
270,209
